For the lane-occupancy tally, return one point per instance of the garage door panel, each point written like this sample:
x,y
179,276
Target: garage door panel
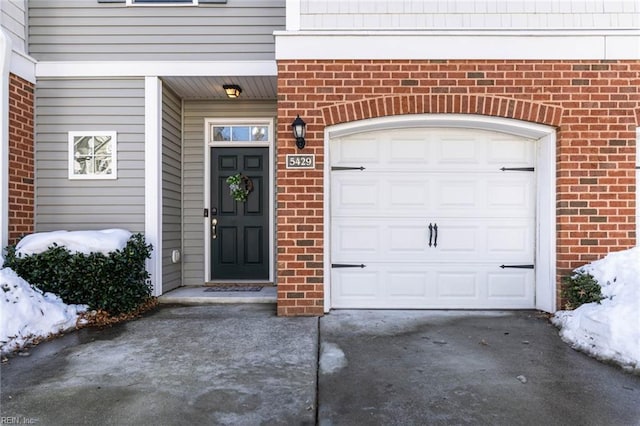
x,y
357,284
418,286
364,150
408,284
459,151
373,240
412,192
517,284
509,152
508,242
357,241
454,285
407,151
513,192
455,240
352,194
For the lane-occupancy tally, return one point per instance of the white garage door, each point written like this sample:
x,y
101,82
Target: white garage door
x,y
426,218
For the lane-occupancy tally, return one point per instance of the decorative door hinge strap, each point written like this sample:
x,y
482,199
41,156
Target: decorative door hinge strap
x,y
347,168
517,266
518,169
347,265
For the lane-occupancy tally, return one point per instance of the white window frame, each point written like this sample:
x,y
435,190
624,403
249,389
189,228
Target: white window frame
x,y
114,155
172,3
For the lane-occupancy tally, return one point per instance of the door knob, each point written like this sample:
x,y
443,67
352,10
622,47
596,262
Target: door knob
x,y
214,223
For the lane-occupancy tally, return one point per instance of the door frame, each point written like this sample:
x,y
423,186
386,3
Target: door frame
x,y
543,136
208,144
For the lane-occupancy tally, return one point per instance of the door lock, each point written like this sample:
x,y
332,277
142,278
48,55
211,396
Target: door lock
x,y
214,223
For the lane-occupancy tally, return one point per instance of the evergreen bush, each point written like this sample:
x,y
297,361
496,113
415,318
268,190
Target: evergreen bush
x,y
116,283
580,288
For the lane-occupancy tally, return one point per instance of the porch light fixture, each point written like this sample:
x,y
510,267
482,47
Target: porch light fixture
x,y
232,90
299,131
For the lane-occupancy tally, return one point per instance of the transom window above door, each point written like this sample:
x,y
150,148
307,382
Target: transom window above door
x,y
240,133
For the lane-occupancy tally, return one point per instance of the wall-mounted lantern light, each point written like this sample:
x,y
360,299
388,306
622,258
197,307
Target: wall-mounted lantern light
x,y
299,131
232,90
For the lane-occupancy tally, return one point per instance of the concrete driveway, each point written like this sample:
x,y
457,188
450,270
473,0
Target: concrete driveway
x,y
464,368
241,365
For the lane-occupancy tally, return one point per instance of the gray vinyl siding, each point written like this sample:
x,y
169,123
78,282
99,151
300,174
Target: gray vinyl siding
x,y
171,188
13,18
195,112
64,105
68,30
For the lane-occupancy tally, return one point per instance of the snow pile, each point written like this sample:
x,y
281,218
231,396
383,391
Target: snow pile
x,y
86,242
26,314
609,330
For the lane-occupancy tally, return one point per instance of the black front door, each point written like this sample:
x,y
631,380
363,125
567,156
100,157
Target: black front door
x,y
239,229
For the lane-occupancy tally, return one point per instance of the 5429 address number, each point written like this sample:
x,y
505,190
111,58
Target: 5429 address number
x,y
301,161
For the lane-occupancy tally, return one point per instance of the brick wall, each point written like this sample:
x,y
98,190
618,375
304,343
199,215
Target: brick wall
x,y
595,105
21,158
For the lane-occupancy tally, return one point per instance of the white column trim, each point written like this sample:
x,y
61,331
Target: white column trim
x,y
5,63
293,15
153,178
24,66
546,222
545,137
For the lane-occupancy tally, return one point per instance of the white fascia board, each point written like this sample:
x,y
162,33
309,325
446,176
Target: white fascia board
x,y
457,45
24,66
161,68
622,47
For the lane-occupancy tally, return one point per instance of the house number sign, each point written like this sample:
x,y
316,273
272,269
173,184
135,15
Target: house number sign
x,y
301,161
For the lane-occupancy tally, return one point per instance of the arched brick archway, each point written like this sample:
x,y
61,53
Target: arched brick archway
x,y
442,104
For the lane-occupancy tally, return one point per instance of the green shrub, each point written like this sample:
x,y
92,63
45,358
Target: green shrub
x,y
580,288
117,283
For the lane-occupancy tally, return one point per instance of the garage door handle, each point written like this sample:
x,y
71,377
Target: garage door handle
x,y
435,240
430,233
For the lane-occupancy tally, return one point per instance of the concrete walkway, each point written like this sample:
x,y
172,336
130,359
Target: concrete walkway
x,y
183,365
242,365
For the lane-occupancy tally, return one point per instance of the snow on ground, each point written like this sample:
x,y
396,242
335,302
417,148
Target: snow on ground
x,y
609,330
26,314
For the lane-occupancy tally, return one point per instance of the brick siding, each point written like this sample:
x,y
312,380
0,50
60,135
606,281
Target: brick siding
x,y
595,106
21,158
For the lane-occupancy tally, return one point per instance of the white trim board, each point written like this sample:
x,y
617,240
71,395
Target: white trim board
x,y
153,178
24,66
544,137
160,68
457,45
5,62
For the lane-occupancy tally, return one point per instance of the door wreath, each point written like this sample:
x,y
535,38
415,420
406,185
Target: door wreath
x,y
240,186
